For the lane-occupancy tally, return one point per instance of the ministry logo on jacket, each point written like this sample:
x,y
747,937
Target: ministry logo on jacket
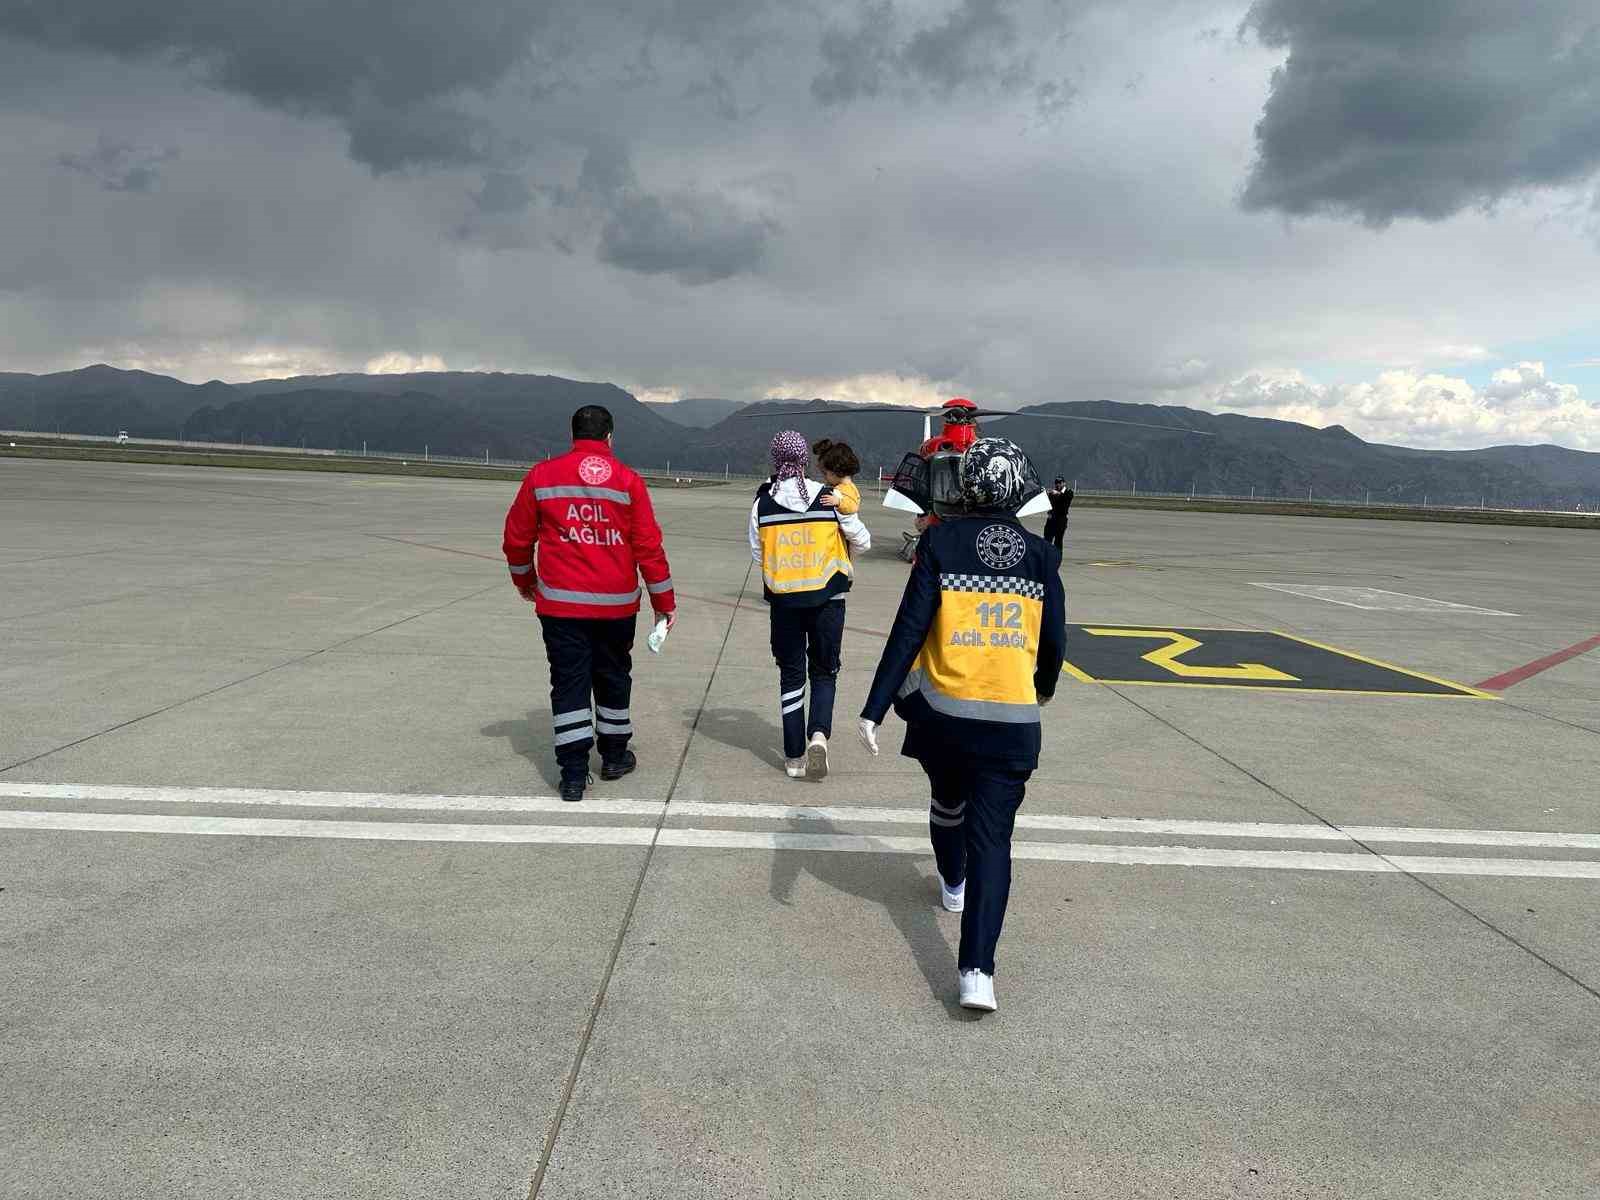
x,y
594,469
1000,546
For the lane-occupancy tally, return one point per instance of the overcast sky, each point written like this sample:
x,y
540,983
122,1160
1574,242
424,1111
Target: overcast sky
x,y
1378,213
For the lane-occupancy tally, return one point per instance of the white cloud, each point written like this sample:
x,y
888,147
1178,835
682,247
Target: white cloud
x,y
869,388
397,362
657,395
279,364
1520,404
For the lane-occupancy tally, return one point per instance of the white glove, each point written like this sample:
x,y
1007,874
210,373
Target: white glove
x,y
867,731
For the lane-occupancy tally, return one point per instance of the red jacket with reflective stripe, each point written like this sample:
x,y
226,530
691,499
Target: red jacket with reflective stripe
x,y
590,519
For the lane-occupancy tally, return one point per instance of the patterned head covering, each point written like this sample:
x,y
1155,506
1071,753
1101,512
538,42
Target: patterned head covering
x,y
789,452
996,476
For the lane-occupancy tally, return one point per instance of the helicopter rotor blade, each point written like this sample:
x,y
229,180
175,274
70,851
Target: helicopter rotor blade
x,y
984,415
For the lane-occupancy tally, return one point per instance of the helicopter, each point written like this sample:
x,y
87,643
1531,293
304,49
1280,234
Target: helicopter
x,y
928,477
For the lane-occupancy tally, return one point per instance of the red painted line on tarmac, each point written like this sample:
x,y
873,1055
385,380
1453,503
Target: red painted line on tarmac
x,y
1499,683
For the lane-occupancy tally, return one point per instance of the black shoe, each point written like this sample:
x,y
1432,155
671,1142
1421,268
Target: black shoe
x,y
572,786
619,767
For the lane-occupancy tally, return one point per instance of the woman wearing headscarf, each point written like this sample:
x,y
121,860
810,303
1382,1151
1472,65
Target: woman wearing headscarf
x,y
975,650
803,549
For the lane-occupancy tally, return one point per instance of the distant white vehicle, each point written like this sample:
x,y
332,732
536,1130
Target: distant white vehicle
x,y
122,436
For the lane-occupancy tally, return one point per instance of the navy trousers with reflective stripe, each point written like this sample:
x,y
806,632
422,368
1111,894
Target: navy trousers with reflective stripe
x,y
806,640
971,816
591,684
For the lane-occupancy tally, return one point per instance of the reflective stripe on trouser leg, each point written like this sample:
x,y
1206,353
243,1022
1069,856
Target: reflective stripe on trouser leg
x,y
792,714
612,720
566,646
611,643
949,792
565,736
991,812
789,651
823,641
571,728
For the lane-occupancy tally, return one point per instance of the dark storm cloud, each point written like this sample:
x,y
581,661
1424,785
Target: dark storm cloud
x,y
502,192
865,198
390,70
694,238
973,44
718,92
856,61
1387,109
119,167
970,44
1054,96
606,170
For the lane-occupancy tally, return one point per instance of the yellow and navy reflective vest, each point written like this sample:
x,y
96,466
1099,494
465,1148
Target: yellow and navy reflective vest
x,y
805,559
980,636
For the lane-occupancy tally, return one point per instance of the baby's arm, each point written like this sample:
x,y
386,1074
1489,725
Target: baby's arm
x,y
849,496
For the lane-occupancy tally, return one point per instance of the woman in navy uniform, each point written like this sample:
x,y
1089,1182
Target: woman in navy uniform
x,y
976,649
804,549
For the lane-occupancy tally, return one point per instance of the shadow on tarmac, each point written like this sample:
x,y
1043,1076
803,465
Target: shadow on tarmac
x,y
890,880
741,729
535,747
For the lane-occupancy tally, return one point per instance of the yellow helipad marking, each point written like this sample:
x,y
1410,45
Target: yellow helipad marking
x,y
1170,657
1261,659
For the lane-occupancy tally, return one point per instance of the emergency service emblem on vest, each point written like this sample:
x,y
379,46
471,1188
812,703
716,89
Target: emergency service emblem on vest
x,y
594,469
1000,546
805,559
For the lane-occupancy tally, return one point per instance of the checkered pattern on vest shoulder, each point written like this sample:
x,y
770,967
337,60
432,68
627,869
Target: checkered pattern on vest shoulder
x,y
992,583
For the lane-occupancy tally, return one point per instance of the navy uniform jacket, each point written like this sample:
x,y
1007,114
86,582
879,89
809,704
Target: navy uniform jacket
x,y
979,638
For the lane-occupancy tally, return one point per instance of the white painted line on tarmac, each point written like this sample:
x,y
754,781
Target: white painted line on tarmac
x,y
1148,826
732,839
1149,856
1378,600
1174,856
378,831
1475,837
298,799
1278,831
1547,868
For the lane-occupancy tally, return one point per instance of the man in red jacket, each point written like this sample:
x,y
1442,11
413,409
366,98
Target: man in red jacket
x,y
589,519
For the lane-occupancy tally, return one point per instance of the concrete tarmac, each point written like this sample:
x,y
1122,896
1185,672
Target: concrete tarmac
x,y
287,907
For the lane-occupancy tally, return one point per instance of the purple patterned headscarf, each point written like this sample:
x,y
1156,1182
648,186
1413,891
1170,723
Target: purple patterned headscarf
x,y
789,453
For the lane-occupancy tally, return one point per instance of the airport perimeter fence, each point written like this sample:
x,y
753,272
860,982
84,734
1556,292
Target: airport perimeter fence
x,y
1364,498
872,481
876,482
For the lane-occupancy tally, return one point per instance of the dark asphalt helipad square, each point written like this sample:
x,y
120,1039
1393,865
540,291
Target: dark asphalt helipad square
x,y
1239,658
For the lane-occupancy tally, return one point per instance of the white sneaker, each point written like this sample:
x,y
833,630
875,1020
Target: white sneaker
x,y
977,991
954,899
795,767
817,756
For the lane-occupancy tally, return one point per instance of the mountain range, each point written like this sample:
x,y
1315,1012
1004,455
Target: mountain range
x,y
512,416
697,413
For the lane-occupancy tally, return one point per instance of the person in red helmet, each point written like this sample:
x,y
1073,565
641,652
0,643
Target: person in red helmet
x,y
959,431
